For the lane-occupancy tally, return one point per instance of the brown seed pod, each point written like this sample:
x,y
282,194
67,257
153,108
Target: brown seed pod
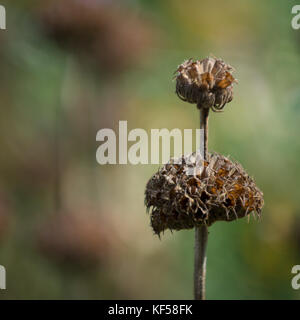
x,y
207,82
221,191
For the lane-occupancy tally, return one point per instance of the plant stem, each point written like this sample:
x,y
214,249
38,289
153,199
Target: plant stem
x,y
204,126
201,232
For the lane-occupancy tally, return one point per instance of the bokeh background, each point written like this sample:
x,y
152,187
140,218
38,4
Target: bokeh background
x,y
73,229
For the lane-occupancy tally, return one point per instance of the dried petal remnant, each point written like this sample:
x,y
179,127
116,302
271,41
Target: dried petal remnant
x,y
207,82
221,191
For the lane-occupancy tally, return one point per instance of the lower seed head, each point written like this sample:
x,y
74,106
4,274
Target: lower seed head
x,y
220,191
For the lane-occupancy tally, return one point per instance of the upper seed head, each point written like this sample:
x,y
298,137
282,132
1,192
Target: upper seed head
x,y
207,82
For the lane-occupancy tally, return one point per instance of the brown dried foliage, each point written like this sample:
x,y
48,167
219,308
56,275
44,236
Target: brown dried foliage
x,y
207,82
220,191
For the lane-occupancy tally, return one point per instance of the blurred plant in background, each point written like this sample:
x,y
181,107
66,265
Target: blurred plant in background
x,y
105,32
77,238
5,216
70,68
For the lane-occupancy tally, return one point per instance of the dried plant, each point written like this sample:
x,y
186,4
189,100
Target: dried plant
x,y
221,190
207,82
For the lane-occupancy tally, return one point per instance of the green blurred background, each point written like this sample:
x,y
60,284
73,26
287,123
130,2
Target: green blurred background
x,y
73,229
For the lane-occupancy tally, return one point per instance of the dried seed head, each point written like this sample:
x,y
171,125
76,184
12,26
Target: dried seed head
x,y
208,83
221,191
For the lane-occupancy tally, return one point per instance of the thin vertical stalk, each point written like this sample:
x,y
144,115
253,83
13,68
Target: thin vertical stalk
x,y
201,232
58,139
57,159
204,126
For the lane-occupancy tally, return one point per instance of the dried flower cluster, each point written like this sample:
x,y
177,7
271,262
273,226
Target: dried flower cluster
x,y
222,190
208,83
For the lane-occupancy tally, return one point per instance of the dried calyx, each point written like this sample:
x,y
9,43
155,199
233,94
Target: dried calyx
x,y
207,83
221,191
